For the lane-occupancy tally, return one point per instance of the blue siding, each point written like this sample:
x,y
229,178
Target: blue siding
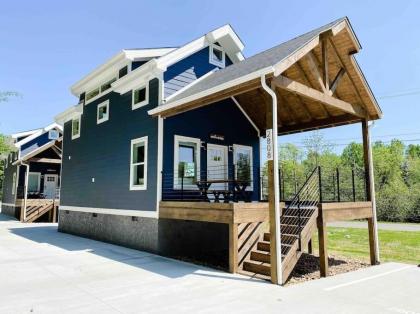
x,y
136,64
34,144
103,152
200,123
187,70
8,196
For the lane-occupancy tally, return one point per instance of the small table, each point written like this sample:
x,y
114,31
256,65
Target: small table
x,y
239,190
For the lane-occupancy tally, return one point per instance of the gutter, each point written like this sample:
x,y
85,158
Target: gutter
x,y
276,179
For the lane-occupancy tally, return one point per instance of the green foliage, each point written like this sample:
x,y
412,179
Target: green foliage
x,y
396,170
6,95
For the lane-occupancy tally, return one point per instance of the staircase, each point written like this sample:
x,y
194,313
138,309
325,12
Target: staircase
x,y
297,225
36,208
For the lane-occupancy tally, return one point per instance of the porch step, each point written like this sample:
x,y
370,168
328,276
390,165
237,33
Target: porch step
x,y
285,238
260,256
257,267
265,247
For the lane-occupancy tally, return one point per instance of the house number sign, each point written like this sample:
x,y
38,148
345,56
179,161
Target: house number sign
x,y
269,137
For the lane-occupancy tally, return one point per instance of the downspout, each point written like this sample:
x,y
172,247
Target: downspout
x,y
276,178
373,195
25,190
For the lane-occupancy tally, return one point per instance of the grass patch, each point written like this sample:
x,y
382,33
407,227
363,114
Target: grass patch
x,y
395,246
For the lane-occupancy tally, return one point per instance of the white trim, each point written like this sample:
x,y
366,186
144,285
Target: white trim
x,y
25,133
74,136
213,61
69,114
14,182
39,180
190,85
193,140
37,151
104,118
112,66
226,162
145,102
8,204
38,133
251,161
159,162
106,92
112,211
246,115
158,110
143,140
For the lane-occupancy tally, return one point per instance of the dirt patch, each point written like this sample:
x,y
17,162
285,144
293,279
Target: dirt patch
x,y
308,267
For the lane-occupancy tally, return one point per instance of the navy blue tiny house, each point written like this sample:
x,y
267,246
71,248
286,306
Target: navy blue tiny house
x,y
120,162
32,175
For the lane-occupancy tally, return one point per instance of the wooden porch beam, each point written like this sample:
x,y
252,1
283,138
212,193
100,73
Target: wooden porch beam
x,y
318,124
324,49
313,66
337,80
305,91
46,160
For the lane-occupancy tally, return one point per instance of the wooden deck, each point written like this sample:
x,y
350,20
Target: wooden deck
x,y
249,221
36,208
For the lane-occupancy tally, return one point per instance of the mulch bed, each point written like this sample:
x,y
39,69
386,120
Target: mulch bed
x,y
308,267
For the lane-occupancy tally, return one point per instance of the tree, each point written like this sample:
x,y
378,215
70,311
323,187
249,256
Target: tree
x,y
5,95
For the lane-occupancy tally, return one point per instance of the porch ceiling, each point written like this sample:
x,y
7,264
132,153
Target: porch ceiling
x,y
320,85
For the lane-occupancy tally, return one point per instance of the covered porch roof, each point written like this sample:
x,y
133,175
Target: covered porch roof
x,y
315,76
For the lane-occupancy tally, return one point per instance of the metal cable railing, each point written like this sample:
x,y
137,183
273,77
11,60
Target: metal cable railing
x,y
301,207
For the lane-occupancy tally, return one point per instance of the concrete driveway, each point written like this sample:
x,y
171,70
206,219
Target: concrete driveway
x,y
43,271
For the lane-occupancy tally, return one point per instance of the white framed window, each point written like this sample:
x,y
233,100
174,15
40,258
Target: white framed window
x,y
242,159
75,128
140,96
34,182
53,134
138,164
186,162
107,85
217,56
102,112
90,95
14,183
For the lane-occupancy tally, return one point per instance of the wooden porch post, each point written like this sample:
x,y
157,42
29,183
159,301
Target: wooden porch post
x,y
271,208
233,247
370,194
322,239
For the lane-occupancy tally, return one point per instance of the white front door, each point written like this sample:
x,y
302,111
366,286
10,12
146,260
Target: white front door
x,y
50,185
217,165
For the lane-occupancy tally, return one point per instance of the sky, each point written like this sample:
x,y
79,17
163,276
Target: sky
x,y
46,46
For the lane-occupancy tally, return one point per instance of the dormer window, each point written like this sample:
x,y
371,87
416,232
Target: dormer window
x,y
140,97
217,56
92,94
107,85
123,71
53,134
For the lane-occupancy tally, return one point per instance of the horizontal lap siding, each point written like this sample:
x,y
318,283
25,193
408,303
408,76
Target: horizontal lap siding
x,y
223,118
103,152
34,144
186,71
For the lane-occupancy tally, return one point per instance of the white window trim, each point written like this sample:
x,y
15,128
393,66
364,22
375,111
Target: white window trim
x,y
14,183
142,103
102,104
197,141
237,146
39,180
222,63
74,136
143,139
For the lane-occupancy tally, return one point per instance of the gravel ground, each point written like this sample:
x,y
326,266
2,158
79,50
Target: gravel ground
x,y
308,267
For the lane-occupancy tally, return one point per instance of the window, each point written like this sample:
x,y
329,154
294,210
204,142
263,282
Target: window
x,y
123,71
53,134
217,56
82,97
107,85
92,94
103,112
140,97
242,159
14,183
34,182
75,128
138,164
186,161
